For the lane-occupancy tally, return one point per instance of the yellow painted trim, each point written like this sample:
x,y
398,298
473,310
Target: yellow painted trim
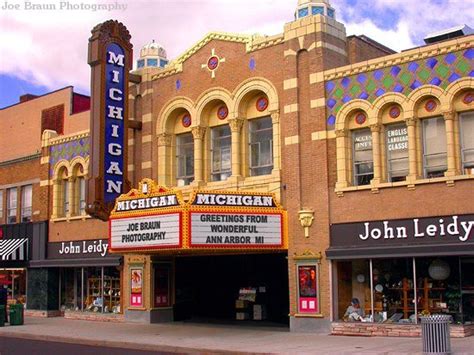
x,y
146,165
316,77
46,182
290,108
290,84
289,52
147,138
44,160
318,103
131,167
147,117
320,135
131,141
68,138
292,140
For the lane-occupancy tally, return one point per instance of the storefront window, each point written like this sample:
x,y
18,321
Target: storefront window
x,y
82,195
162,285
1,206
397,152
15,280
403,289
393,290
184,159
353,284
434,147
92,289
438,286
362,157
221,153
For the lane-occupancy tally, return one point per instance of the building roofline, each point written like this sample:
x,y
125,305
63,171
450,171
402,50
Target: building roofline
x,y
46,94
373,42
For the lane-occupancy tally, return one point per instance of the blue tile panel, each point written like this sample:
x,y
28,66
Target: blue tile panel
x,y
440,70
68,151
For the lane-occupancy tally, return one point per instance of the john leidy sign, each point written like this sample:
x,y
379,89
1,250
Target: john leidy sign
x,y
78,249
431,230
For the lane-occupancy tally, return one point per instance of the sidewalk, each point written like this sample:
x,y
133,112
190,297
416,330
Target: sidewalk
x,y
203,338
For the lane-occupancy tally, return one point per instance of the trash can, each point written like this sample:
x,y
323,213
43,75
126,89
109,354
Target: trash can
x,y
435,334
2,315
16,314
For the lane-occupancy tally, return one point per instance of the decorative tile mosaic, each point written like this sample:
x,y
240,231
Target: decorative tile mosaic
x,y
68,151
441,71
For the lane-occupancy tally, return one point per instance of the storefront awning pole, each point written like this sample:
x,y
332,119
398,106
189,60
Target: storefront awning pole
x,y
371,289
415,291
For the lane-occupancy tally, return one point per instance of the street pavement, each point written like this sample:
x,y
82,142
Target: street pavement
x,y
191,338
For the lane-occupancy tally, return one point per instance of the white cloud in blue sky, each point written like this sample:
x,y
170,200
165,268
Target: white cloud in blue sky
x,y
49,48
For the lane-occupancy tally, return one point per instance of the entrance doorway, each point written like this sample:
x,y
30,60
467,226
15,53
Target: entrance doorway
x,y
251,288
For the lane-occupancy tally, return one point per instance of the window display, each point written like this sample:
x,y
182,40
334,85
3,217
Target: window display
x,y
15,280
93,289
307,289
403,289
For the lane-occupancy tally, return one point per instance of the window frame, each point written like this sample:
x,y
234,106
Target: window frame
x,y
187,178
355,175
423,146
65,198
10,208
219,173
251,131
388,160
24,206
1,206
463,116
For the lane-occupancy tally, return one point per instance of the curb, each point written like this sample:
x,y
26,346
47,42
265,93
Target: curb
x,y
123,344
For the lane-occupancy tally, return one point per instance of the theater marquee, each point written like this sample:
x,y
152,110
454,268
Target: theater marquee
x,y
154,217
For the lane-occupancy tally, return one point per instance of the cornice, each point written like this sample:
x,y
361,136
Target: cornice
x,y
68,138
400,58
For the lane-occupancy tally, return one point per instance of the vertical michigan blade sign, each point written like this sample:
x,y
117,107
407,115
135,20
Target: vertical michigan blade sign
x,y
110,58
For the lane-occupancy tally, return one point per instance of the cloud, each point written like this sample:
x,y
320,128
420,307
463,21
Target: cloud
x,y
396,39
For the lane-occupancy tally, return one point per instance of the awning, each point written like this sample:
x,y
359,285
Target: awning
x,y
85,262
14,249
348,253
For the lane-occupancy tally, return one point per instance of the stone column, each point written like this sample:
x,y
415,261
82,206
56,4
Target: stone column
x,y
198,135
71,196
56,198
164,159
412,166
375,129
276,141
236,128
450,145
341,154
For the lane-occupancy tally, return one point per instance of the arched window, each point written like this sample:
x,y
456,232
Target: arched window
x,y
260,146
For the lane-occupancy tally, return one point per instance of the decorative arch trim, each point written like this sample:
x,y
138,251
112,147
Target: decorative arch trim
x,y
172,105
255,84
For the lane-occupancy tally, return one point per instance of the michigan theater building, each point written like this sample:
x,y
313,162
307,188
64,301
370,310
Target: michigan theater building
x,y
277,178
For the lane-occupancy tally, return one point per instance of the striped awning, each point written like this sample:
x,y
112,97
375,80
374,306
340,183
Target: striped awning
x,y
14,249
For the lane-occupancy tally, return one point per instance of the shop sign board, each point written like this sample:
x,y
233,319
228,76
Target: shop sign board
x,y
149,217
453,229
235,229
155,217
97,248
110,58
146,232
225,219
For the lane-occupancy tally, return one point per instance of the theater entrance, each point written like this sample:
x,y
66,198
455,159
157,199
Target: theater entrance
x,y
242,289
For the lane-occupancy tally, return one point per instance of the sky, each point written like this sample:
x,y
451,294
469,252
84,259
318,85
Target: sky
x,y
43,44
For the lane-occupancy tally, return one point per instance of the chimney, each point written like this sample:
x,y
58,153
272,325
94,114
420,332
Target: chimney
x,y
27,97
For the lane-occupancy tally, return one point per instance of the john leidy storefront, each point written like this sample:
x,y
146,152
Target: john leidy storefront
x,y
401,269
78,276
20,244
